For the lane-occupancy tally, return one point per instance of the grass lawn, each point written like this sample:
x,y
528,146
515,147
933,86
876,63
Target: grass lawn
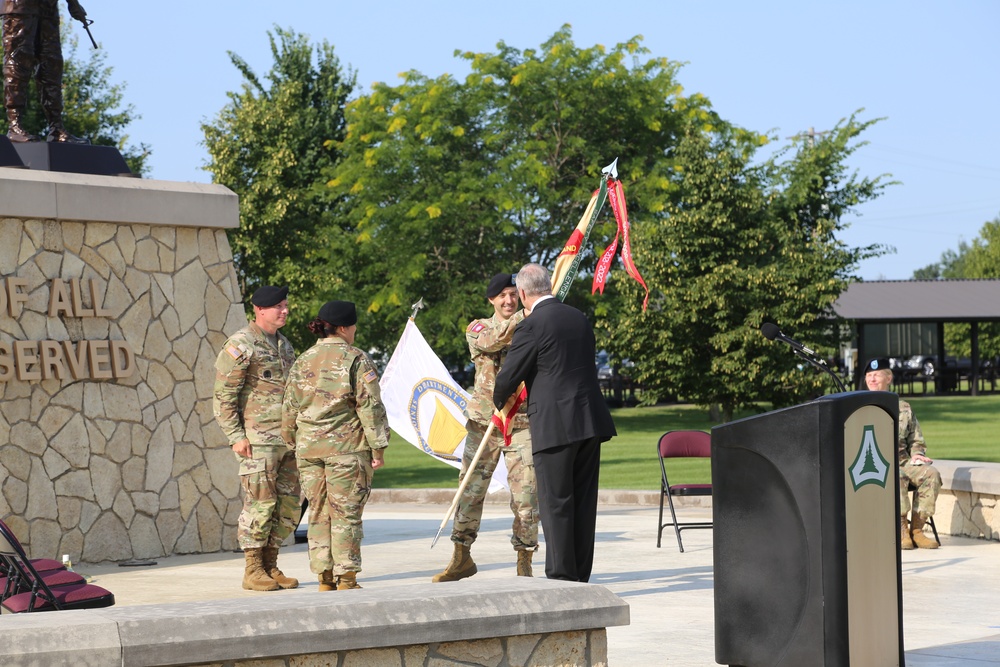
x,y
955,427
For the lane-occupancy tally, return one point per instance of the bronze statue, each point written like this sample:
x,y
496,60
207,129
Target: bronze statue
x,y
30,41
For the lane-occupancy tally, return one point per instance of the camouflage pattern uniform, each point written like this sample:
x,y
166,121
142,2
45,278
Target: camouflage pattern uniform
x,y
925,478
489,339
334,417
249,383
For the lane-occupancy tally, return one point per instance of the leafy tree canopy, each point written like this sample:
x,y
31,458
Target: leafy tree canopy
x,y
447,182
270,144
977,260
742,244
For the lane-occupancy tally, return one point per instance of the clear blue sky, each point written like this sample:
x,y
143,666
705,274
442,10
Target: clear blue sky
x,y
929,68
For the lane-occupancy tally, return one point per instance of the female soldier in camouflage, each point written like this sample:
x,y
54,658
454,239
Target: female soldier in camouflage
x,y
334,419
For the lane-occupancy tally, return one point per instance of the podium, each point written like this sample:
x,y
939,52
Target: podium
x,y
806,536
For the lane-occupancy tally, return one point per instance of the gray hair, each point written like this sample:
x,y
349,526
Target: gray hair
x,y
534,280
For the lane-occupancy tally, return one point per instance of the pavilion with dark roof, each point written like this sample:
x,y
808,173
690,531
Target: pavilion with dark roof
x,y
897,318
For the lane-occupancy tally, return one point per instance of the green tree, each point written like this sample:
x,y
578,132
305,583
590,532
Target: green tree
x,y
92,106
949,266
977,260
270,144
742,244
448,181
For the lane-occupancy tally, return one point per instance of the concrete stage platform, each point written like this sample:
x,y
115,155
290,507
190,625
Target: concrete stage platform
x,y
951,614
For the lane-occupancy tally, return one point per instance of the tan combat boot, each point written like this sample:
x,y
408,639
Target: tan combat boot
x,y
460,567
347,581
254,577
524,563
270,557
905,541
920,540
327,582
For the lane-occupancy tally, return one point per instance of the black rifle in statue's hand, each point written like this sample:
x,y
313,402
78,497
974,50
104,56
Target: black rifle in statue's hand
x,y
80,14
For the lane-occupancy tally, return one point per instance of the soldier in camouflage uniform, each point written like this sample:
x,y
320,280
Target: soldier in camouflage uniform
x,y
251,372
488,339
335,420
915,468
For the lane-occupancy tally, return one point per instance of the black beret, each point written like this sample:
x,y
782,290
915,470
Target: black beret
x,y
499,282
338,313
878,364
268,296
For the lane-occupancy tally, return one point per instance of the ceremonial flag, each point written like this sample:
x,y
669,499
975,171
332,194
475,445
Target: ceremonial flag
x,y
503,418
616,194
425,405
568,262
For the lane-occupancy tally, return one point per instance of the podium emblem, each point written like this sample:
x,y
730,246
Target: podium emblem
x,y
869,466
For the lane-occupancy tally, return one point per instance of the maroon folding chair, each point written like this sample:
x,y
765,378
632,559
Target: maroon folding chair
x,y
681,444
40,595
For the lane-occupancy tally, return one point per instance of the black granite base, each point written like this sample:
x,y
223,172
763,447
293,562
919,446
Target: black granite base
x,y
9,156
73,158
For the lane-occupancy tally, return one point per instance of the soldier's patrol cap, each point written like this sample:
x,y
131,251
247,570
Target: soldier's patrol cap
x,y
338,313
877,364
499,283
268,296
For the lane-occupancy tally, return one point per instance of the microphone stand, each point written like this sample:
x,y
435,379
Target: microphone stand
x,y
820,365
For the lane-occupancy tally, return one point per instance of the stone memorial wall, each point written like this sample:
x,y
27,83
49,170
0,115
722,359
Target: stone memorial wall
x,y
115,297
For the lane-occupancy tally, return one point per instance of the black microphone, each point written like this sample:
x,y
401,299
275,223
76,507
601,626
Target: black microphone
x,y
772,332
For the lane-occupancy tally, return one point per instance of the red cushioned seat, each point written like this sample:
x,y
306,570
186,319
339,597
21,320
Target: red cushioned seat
x,y
67,590
76,596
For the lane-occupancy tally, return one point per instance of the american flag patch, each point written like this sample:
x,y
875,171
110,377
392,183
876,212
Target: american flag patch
x,y
476,327
371,376
234,352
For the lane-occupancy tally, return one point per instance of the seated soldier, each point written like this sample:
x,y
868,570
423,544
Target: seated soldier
x,y
915,468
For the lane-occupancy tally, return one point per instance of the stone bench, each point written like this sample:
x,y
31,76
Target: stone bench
x,y
518,622
967,504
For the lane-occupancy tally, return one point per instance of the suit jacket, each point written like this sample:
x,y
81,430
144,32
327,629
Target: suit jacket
x,y
552,352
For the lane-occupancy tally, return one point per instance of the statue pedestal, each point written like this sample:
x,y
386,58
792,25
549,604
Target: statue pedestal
x,y
72,158
9,156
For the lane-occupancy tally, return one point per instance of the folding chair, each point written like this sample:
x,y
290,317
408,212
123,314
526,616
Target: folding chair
x,y
681,444
17,582
40,596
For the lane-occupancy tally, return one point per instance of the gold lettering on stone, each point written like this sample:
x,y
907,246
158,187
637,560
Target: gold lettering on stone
x,y
97,300
6,362
77,365
59,301
78,308
26,356
53,366
11,299
100,360
123,359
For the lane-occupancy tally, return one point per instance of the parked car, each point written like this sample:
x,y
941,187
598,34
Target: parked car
x,y
928,365
921,364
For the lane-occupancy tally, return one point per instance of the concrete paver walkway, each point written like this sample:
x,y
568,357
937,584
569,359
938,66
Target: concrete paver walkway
x,y
951,595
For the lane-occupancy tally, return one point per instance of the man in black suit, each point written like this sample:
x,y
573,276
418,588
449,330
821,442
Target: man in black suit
x,y
552,352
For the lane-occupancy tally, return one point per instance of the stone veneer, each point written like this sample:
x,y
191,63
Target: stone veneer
x,y
128,467
513,622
